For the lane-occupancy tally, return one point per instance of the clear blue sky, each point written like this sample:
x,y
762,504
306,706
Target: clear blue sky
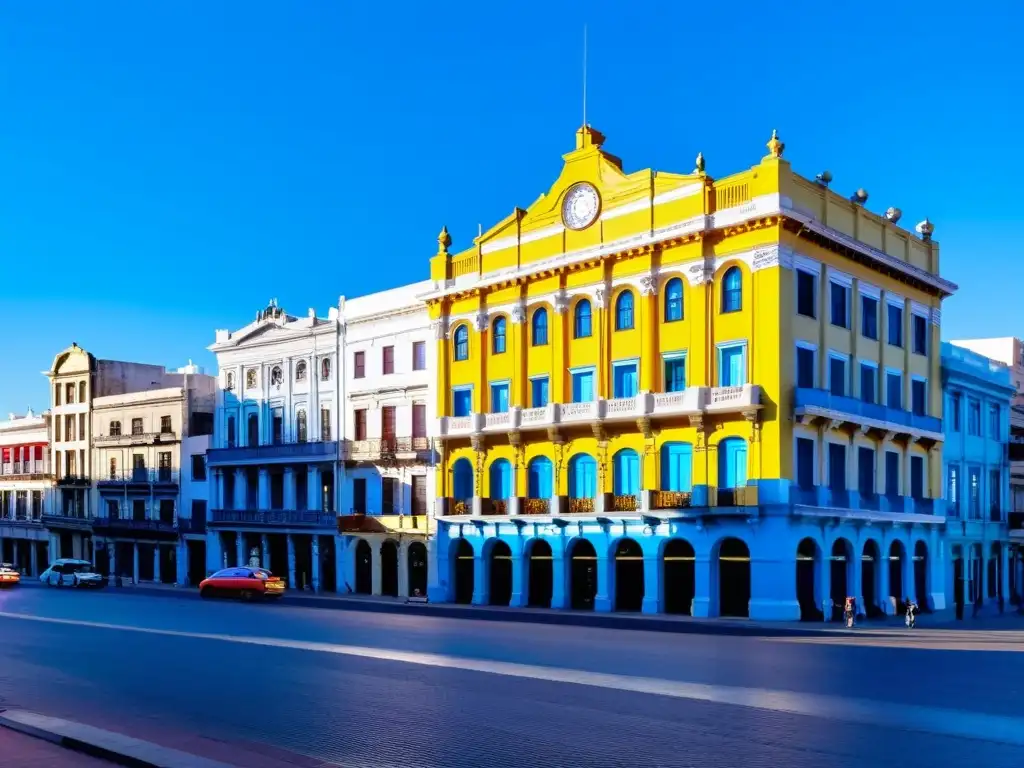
x,y
165,168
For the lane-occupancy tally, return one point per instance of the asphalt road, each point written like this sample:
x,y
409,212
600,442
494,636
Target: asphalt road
x,y
374,689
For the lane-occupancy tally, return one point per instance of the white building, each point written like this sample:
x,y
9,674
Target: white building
x,y
275,450
386,364
25,482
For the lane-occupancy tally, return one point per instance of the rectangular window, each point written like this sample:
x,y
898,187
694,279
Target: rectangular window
x,y
56,429
165,425
994,484
868,383
388,360
198,468
419,494
419,355
895,325
675,374
892,473
917,477
624,382
953,490
164,466
419,420
359,365
387,496
974,492
325,423
732,365
893,389
462,402
277,426
388,422
993,422
69,428
359,417
56,394
918,397
920,335
869,317
837,376
113,467
840,305
583,386
359,495
805,298
69,394
539,392
866,471
499,398
136,426
81,426
836,467
805,462
955,403
973,417
804,367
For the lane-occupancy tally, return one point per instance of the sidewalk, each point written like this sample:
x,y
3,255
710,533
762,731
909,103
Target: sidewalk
x,y
988,620
30,752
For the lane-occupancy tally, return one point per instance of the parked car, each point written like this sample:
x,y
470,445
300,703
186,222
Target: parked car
x,y
246,583
72,573
9,575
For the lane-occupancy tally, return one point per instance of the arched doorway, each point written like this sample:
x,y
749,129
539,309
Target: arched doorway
x,y
417,555
539,485
897,556
869,577
462,482
582,482
364,568
808,567
462,555
540,582
389,568
841,565
629,576
678,577
500,567
501,484
733,578
583,575
921,575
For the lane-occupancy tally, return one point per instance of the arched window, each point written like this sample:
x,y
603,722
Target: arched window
x,y
275,376
624,311
250,378
581,320
582,476
540,327
115,428
626,473
462,343
300,370
732,290
325,369
501,479
539,478
673,300
462,480
300,425
498,336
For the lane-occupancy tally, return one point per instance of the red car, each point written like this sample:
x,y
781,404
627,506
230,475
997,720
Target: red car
x,y
246,583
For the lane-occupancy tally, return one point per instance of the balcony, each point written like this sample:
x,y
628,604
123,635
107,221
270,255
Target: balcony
x,y
388,524
692,401
140,438
281,453
810,404
74,480
282,518
140,476
70,522
21,472
393,449
671,499
22,519
192,525
140,528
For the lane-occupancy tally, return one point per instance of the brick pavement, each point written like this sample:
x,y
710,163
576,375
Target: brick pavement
x,y
24,751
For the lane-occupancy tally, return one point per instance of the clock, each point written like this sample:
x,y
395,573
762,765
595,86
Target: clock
x,y
581,205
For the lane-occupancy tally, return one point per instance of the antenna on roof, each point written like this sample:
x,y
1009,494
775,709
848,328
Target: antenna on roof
x,y
584,75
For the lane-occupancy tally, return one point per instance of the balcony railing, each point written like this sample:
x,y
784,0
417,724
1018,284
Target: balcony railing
x,y
378,448
822,401
629,502
581,506
536,506
323,450
140,438
73,479
142,525
671,499
29,470
67,521
496,507
273,517
191,525
141,477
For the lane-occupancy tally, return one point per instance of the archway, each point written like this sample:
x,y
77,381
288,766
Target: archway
x,y
921,575
364,568
733,578
500,568
629,576
897,556
462,480
462,554
841,565
540,580
417,556
808,568
869,577
583,575
389,568
678,577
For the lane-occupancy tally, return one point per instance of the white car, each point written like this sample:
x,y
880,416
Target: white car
x,y
72,573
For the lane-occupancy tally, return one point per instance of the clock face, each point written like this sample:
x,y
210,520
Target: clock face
x,y
581,206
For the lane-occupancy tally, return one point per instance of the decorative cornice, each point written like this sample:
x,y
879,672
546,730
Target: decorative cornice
x,y
518,314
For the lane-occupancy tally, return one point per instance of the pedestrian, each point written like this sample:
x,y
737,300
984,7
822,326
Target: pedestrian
x,y
911,613
849,612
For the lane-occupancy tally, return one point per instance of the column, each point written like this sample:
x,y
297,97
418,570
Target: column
x,y
340,557
649,356
265,551
291,564
519,595
264,488
772,583
241,489
316,562
289,488
135,563
403,569
313,490
702,607
156,564
603,598
112,552
1004,574
34,561
855,581
217,497
883,578
376,570
17,555
438,566
239,549
825,584
654,594
182,563
481,593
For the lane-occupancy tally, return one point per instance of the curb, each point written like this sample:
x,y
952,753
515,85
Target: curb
x,y
105,745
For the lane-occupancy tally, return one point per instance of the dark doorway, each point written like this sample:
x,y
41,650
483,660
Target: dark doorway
x,y
328,565
196,561
583,575
417,569
278,545
733,579
124,559
464,575
921,575
501,574
540,577
679,577
145,562
629,576
66,547
958,585
102,560
303,546
896,555
842,554
807,566
869,570
168,565
364,568
389,569
43,556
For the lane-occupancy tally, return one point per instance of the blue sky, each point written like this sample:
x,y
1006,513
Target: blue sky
x,y
166,168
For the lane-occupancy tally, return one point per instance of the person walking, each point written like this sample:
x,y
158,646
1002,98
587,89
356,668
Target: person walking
x,y
849,612
911,613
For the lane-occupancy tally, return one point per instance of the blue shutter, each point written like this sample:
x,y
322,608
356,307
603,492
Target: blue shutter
x,y
732,373
463,480
583,477
865,470
583,387
732,463
539,480
462,402
676,467
892,473
540,392
674,300
626,479
501,479
917,477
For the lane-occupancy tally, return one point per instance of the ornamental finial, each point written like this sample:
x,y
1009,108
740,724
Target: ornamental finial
x,y
775,146
925,229
443,241
700,164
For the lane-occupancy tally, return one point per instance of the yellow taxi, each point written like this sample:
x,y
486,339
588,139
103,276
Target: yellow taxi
x,y
9,575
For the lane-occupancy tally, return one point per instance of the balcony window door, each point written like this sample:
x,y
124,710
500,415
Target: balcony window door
x,y
732,463
325,423
252,430
138,467
138,509
805,367
677,467
582,476
388,496
277,426
836,467
805,462
539,473
387,428
917,477
499,397
360,423
866,471
167,511
231,432
388,360
583,387
953,489
419,494
419,421
892,474
837,376
893,389
301,430
359,495
136,426
868,383
626,473
113,467
165,425
539,392
625,379
462,402
164,466
918,396
675,373
732,365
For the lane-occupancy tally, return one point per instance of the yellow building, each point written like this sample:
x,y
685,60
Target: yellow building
x,y
669,392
